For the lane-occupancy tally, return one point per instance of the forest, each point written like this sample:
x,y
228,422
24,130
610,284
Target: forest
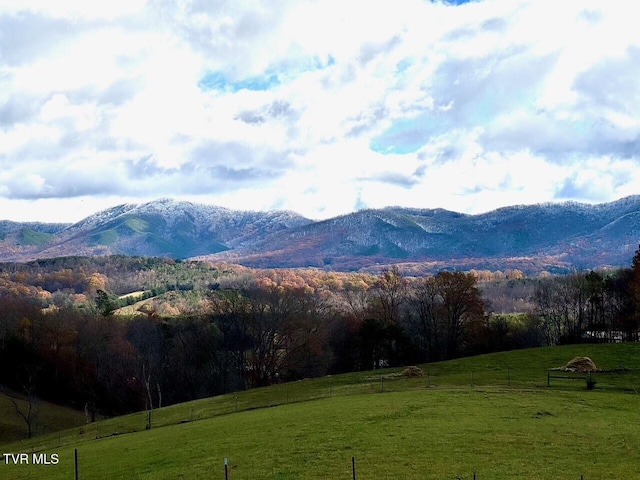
x,y
111,335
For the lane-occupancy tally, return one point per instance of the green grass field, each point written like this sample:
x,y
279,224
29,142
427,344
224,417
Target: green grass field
x,y
31,237
52,418
507,424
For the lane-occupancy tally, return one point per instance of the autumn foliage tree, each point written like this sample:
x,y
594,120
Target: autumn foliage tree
x,y
207,330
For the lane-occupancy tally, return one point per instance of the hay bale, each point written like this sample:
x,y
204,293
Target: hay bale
x,y
581,364
412,372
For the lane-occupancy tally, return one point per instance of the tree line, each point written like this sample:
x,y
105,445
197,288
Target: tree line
x,y
256,328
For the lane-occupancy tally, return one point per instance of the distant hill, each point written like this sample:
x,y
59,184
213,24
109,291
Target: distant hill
x,y
554,236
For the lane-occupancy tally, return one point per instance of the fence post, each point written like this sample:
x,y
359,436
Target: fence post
x,y
353,467
75,461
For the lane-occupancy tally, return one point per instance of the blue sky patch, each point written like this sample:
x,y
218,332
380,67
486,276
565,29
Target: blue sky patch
x,y
408,135
219,81
403,65
453,2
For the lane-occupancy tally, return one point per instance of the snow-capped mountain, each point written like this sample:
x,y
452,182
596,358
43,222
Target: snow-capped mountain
x,y
160,228
552,236
555,237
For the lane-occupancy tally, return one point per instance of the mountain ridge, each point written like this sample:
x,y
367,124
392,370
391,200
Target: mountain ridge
x,y
560,236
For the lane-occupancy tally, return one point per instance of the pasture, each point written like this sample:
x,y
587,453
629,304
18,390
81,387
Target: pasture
x,y
501,420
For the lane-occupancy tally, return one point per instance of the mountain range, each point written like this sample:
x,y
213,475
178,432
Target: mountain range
x,y
556,237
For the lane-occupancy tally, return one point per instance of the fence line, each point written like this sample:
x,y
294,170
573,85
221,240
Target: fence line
x,y
288,393
226,469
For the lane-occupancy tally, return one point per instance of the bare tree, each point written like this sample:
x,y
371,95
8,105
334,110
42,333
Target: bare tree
x,y
28,408
447,309
144,336
423,301
389,295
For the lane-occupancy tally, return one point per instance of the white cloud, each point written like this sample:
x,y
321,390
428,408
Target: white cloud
x,y
76,9
317,107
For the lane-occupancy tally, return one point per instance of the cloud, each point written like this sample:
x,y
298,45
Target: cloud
x,y
224,31
397,179
26,35
317,106
72,9
276,110
371,50
611,84
210,172
119,92
17,109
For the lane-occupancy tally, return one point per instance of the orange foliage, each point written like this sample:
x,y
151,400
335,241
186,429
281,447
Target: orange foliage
x,y
94,282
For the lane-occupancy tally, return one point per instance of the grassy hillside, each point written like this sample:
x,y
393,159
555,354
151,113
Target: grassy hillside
x,y
507,425
105,237
31,237
420,435
51,418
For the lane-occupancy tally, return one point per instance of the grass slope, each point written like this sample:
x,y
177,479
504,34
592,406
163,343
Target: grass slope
x,y
51,418
394,428
31,237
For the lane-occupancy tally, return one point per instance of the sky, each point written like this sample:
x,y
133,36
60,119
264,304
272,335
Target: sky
x,y
321,107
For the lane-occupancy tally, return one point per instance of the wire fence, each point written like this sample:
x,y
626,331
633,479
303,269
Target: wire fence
x,y
621,379
225,469
624,380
